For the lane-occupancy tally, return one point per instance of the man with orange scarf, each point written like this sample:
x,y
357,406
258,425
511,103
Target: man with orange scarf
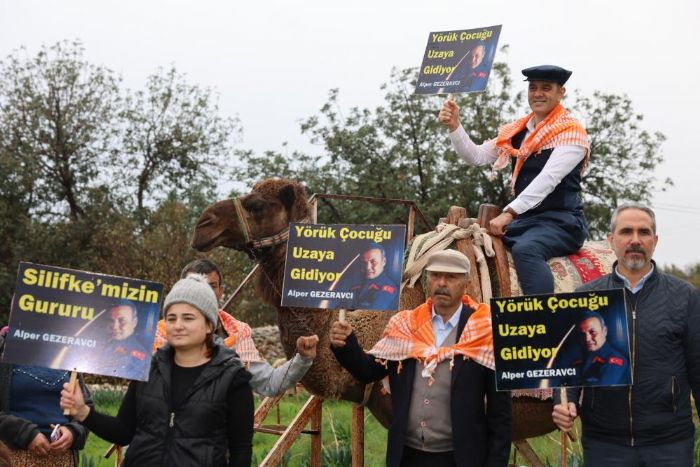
x,y
439,361
547,150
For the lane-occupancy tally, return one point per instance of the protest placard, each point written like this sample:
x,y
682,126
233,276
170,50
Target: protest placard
x,y
81,321
560,340
344,266
458,61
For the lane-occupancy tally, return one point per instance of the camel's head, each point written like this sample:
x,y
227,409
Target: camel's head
x,y
264,213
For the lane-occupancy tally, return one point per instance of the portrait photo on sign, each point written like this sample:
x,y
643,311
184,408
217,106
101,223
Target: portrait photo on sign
x,y
597,350
344,266
458,61
81,321
561,340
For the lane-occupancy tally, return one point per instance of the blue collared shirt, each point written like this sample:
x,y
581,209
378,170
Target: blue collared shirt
x,y
440,328
641,282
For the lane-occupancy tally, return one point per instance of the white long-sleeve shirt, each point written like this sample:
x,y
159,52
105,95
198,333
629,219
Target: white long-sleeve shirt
x,y
562,161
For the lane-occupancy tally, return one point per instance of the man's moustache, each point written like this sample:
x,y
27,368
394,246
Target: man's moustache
x,y
635,249
441,292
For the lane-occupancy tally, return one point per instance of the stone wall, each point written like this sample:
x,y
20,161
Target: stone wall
x,y
267,340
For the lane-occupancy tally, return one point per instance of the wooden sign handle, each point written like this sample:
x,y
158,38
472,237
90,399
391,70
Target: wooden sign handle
x,y
565,401
569,434
71,388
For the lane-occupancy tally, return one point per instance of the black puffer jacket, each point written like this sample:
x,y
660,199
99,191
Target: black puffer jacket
x,y
664,322
195,434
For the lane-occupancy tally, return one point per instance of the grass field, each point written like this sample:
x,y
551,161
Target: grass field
x,y
336,437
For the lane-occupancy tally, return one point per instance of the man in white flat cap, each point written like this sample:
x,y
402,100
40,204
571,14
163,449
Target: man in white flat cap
x,y
439,359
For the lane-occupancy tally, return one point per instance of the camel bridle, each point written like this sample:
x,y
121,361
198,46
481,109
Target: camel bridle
x,y
255,247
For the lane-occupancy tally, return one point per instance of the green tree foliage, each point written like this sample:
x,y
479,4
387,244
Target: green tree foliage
x,y
399,150
96,181
174,137
99,178
57,116
56,128
624,157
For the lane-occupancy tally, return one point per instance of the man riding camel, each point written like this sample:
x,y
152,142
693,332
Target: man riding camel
x,y
547,150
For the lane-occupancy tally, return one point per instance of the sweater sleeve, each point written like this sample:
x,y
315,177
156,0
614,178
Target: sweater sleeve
x,y
359,363
240,423
17,432
120,429
268,381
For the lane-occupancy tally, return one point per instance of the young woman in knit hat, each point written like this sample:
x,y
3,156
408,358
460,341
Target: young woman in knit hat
x,y
196,409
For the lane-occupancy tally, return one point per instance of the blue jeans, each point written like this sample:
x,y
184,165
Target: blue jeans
x,y
601,454
537,238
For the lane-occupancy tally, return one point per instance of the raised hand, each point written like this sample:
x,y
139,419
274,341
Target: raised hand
x,y
339,333
306,346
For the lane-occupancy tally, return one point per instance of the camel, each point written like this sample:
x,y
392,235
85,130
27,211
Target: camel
x,y
257,223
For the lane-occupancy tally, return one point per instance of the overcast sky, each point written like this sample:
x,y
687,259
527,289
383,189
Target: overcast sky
x,y
273,62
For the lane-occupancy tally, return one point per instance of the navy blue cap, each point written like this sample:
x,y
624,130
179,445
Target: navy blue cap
x,y
551,73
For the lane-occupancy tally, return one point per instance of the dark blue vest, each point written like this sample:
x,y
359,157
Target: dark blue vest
x,y
566,196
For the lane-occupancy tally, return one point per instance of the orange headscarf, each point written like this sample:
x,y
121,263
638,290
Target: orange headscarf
x,y
409,334
557,129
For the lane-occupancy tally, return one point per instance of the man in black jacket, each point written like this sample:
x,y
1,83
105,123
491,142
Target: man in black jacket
x,y
443,415
650,422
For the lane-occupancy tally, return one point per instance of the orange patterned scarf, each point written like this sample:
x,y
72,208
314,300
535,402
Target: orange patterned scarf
x,y
558,129
240,338
409,334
